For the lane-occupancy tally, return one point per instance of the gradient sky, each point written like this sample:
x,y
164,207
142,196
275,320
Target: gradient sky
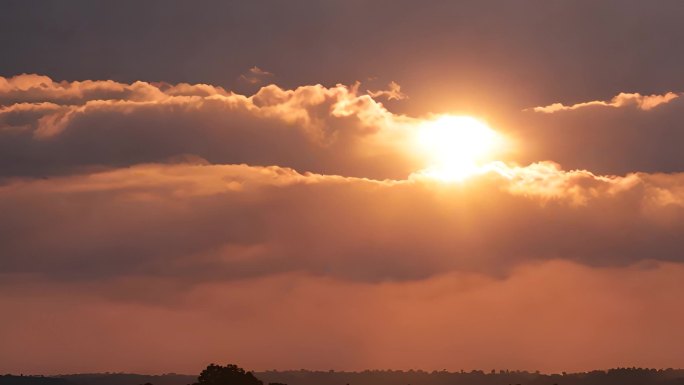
x,y
193,182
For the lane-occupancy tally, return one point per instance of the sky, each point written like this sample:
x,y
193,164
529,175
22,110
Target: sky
x,y
341,185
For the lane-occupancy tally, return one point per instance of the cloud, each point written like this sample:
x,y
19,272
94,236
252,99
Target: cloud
x,y
604,139
57,128
200,223
312,179
52,128
164,206
22,116
107,238
151,196
559,315
642,102
255,76
32,88
392,93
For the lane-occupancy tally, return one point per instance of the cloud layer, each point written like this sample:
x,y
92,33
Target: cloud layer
x,y
555,316
50,128
56,128
144,209
203,222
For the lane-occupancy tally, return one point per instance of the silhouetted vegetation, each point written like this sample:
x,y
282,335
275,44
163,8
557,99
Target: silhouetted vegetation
x,y
127,379
233,375
226,375
9,379
622,376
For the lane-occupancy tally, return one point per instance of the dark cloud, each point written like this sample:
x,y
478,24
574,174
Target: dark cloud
x,y
630,133
50,128
255,76
54,128
203,223
239,221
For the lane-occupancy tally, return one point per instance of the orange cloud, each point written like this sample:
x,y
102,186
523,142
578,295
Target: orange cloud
x,y
233,221
255,76
642,102
333,129
143,210
393,92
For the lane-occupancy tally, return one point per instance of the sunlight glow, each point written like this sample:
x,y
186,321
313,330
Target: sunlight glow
x,y
455,146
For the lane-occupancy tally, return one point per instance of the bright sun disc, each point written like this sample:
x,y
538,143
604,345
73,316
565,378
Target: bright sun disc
x,y
455,146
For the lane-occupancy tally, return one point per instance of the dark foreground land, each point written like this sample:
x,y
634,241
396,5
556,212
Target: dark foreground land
x,y
622,376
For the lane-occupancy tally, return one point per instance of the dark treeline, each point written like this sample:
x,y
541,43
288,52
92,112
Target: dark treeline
x,y
620,376
128,379
98,379
9,379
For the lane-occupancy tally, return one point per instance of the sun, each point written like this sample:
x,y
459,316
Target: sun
x,y
455,146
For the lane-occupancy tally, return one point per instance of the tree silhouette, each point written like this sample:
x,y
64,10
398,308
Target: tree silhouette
x,y
226,375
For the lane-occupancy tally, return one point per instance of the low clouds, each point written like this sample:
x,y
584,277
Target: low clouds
x,y
630,133
57,128
255,76
393,92
197,183
32,88
188,204
198,223
642,102
558,315
49,128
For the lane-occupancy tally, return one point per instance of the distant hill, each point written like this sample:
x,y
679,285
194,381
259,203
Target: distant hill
x,y
622,376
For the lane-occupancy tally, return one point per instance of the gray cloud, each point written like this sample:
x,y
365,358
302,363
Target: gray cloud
x,y
605,138
198,223
58,128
